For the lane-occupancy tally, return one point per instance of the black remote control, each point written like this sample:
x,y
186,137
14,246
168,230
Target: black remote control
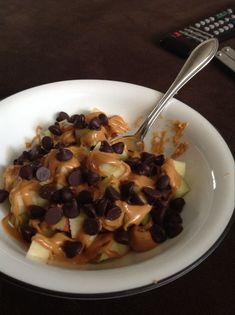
x,y
220,26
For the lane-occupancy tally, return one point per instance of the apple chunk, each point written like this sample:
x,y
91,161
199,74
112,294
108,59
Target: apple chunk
x,y
38,253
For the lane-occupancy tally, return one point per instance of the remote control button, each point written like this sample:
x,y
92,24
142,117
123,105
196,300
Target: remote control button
x,y
216,32
233,16
229,10
197,24
230,25
221,22
211,26
212,18
221,30
227,19
206,29
202,23
207,20
225,27
216,24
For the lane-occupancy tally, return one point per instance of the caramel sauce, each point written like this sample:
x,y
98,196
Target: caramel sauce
x,y
68,137
11,231
92,137
92,115
141,180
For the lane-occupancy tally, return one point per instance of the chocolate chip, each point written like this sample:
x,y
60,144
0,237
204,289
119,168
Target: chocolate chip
x,y
113,213
172,230
146,156
27,233
177,204
84,197
53,215
26,172
158,233
159,160
62,116
152,195
3,195
95,123
103,119
59,145
158,212
89,210
166,193
112,193
46,191
47,143
121,236
56,196
72,248
80,122
126,189
101,205
172,217
118,147
143,169
91,226
73,118
36,164
20,160
106,147
134,199
75,178
163,182
42,173
55,130
34,153
71,209
92,178
36,212
64,155
66,194
133,162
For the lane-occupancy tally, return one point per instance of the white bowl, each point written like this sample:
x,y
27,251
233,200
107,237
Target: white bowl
x,y
209,205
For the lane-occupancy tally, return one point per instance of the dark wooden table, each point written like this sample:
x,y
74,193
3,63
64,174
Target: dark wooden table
x,y
48,40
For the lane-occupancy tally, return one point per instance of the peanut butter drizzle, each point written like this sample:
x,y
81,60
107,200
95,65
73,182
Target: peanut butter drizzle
x,y
22,195
11,231
92,115
60,169
179,150
133,214
117,125
141,180
168,168
10,176
91,137
158,142
97,159
140,239
68,137
36,139
178,127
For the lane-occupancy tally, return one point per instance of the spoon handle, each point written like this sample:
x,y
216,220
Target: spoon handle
x,y
197,60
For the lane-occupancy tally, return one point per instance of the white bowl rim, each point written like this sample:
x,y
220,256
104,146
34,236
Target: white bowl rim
x,y
148,286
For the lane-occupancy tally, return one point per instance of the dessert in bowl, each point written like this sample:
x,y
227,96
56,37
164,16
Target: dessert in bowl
x,y
202,221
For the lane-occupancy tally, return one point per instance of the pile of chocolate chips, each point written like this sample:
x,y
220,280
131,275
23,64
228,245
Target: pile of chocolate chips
x,y
165,213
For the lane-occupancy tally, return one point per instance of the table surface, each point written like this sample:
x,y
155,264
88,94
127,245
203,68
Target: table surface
x,y
48,40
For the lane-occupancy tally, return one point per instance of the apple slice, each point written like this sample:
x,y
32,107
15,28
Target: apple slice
x,y
183,189
76,224
38,253
62,225
180,167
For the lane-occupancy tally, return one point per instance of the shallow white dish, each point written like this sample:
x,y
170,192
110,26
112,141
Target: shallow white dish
x,y
209,205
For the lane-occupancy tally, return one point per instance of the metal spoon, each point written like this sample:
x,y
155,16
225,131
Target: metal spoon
x,y
197,60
